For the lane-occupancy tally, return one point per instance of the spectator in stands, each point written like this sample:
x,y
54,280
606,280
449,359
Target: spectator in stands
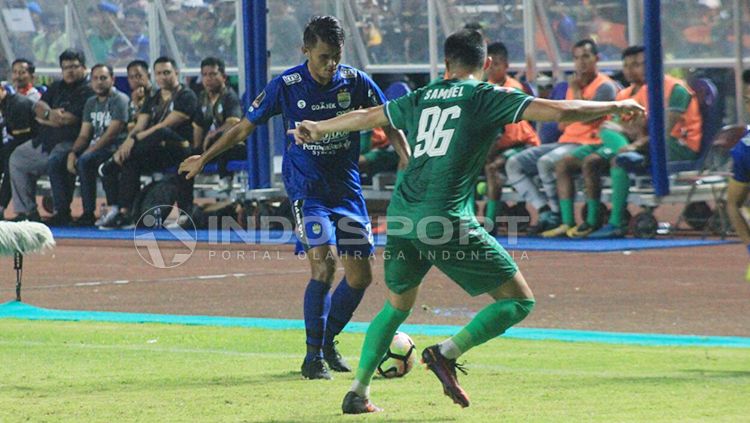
x,y
587,83
283,40
220,109
23,79
160,139
102,33
515,137
135,42
105,117
49,40
629,139
205,40
739,183
18,124
59,115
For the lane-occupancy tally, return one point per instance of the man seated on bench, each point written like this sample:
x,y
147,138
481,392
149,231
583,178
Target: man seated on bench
x,y
515,138
160,139
105,116
220,109
587,83
629,139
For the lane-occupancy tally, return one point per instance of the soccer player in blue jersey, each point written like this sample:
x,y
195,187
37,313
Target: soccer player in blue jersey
x,y
739,183
322,181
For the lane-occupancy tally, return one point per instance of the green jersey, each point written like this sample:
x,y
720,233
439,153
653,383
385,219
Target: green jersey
x,y
450,126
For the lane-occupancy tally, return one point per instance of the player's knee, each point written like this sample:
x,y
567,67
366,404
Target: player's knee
x,y
513,167
546,165
324,270
360,281
523,308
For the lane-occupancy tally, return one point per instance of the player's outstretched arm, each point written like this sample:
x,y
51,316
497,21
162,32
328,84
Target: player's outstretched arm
x,y
193,165
578,110
357,120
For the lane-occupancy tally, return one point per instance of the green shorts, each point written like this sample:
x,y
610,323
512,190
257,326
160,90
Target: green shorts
x,y
382,160
476,262
679,152
612,142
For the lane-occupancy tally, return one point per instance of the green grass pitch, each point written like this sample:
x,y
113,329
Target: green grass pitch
x,y
104,372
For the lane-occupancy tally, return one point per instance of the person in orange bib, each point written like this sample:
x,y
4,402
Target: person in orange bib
x,y
587,83
627,140
515,137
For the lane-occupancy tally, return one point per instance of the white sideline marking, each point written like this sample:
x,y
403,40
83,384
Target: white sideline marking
x,y
197,278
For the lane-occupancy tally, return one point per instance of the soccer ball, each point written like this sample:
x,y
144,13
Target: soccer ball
x,y
400,358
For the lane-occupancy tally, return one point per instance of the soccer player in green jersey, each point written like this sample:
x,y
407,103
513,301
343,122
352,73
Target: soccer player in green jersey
x,y
451,125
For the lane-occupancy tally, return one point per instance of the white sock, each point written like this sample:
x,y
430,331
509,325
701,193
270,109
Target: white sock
x,y
360,389
449,349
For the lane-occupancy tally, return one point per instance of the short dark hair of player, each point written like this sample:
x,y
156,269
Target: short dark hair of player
x,y
466,48
103,65
498,49
746,77
29,64
327,29
139,63
72,54
587,41
214,61
632,51
165,59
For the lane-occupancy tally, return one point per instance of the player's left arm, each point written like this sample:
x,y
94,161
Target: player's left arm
x,y
737,193
358,120
398,140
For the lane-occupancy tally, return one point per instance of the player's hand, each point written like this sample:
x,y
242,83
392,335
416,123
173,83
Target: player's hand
x,y
629,108
191,166
71,165
306,132
123,152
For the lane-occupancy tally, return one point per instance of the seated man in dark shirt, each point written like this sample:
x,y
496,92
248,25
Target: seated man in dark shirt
x,y
17,126
160,139
220,109
59,115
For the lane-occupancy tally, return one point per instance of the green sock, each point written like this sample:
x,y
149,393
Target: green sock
x,y
378,338
620,189
491,322
491,211
592,212
566,211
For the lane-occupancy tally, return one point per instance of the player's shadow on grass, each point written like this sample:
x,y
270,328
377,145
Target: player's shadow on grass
x,y
719,374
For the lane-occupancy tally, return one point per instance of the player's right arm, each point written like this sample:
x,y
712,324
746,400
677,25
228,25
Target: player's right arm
x,y
193,165
357,120
578,110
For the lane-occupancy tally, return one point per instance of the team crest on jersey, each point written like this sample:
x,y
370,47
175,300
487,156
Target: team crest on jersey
x,y
259,99
292,79
344,98
316,229
301,104
348,73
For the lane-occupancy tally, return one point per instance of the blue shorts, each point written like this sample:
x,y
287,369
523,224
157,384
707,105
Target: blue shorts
x,y
344,223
